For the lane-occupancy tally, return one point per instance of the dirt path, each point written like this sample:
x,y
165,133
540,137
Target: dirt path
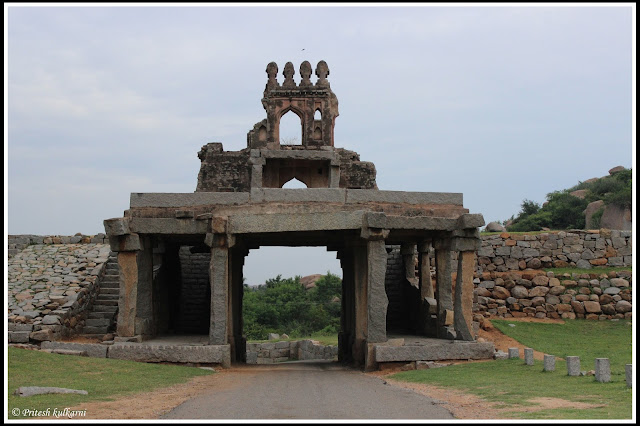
x,y
158,403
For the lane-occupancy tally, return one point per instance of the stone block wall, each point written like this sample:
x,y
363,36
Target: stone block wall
x,y
577,248
272,352
393,282
544,295
195,293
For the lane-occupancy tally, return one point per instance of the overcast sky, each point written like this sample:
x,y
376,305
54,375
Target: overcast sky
x,y
501,104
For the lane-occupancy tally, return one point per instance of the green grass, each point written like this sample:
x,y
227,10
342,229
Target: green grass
x,y
104,379
330,339
598,271
511,383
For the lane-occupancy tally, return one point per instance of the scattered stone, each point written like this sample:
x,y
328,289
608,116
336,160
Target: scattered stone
x,y
37,390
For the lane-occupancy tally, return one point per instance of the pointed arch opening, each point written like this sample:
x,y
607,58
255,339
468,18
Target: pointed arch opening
x,y
294,183
290,129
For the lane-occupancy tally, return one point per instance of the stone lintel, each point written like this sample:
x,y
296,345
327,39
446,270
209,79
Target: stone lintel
x,y
373,195
169,199
444,349
319,195
168,226
116,226
305,154
421,223
284,222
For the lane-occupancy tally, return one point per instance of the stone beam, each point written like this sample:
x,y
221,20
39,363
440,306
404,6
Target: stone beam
x,y
422,223
169,199
367,195
283,222
168,226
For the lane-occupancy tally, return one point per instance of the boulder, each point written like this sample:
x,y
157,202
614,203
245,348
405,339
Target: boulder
x,y
615,170
616,217
494,227
591,209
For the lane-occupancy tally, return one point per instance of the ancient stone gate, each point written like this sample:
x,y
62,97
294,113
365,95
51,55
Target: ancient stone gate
x,y
239,205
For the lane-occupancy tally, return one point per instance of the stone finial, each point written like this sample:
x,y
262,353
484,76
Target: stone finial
x,y
305,73
288,76
322,71
272,72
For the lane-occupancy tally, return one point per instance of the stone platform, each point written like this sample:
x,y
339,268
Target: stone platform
x,y
417,348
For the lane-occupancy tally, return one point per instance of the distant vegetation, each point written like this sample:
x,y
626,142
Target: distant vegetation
x,y
284,306
565,211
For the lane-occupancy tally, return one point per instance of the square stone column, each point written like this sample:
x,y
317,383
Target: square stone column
x,y
347,314
236,291
424,270
444,288
219,280
370,264
463,306
135,301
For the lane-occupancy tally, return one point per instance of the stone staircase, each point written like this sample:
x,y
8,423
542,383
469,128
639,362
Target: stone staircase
x,y
102,318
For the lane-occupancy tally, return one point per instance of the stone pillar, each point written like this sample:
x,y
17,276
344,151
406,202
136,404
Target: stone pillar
x,y
257,164
424,270
370,265
549,363
463,307
528,356
219,280
514,353
603,370
573,365
136,277
377,295
144,323
334,175
628,374
444,290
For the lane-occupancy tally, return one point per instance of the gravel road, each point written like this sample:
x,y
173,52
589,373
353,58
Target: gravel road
x,y
297,390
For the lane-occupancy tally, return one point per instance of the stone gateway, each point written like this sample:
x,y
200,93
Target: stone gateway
x,y
239,205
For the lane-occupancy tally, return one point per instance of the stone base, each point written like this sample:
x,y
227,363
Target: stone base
x,y
209,354
429,349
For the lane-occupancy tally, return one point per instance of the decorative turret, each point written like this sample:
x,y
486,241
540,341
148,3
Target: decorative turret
x,y
305,100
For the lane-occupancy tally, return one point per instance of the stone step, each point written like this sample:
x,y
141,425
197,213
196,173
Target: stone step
x,y
109,285
107,296
112,269
109,290
111,277
100,301
96,315
105,308
98,322
95,330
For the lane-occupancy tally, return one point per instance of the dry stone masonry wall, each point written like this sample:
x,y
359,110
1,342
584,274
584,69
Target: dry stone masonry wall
x,y
52,286
582,249
272,352
510,281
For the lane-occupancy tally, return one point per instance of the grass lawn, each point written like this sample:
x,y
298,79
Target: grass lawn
x,y
104,379
330,339
511,383
596,270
